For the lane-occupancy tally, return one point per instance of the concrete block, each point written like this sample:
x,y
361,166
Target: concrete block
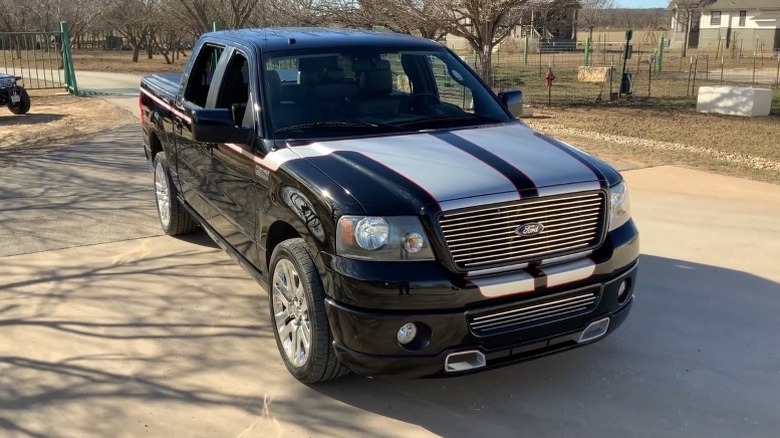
x,y
735,101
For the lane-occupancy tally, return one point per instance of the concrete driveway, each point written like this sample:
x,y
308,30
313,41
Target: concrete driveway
x,y
108,329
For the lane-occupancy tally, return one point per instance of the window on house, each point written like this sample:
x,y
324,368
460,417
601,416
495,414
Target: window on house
x,y
715,18
742,18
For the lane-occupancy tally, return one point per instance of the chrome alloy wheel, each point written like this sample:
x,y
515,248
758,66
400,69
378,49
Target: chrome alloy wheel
x,y
163,193
291,313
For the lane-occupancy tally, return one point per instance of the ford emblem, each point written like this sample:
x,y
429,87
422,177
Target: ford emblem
x,y
529,229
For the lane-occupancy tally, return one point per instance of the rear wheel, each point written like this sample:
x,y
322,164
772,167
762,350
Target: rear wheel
x,y
23,106
174,219
296,299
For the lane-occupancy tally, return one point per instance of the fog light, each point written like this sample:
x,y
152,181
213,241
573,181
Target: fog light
x,y
407,333
623,291
413,242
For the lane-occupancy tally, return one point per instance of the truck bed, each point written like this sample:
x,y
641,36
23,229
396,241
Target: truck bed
x,y
163,85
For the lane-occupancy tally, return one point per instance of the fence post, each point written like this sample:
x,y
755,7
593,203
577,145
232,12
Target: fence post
x,y
649,78
215,26
688,85
722,63
777,75
659,58
754,72
526,45
67,60
587,52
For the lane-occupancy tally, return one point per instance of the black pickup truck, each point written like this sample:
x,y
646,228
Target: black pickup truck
x,y
402,220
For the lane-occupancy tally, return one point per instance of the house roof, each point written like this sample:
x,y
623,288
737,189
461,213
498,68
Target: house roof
x,y
726,5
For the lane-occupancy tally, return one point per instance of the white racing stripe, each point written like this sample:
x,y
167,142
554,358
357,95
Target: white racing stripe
x,y
507,284
569,272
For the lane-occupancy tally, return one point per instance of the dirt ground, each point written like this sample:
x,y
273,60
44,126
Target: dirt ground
x,y
54,121
642,137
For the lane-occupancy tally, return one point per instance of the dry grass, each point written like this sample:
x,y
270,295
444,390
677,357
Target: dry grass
x,y
54,121
644,137
121,61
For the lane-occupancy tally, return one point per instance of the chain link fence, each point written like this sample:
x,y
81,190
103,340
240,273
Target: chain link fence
x,y
588,74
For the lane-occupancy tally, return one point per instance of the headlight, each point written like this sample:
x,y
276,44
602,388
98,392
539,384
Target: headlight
x,y
619,207
382,238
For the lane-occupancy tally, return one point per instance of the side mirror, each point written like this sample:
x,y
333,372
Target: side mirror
x,y
217,126
513,101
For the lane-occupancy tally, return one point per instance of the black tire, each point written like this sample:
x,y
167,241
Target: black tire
x,y
321,363
23,106
174,218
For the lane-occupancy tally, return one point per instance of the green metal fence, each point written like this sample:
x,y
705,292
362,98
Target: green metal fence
x,y
42,59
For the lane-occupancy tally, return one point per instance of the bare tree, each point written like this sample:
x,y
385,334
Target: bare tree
x,y
592,14
483,24
133,19
415,17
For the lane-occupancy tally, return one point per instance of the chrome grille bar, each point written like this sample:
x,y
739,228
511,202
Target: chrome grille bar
x,y
516,317
486,236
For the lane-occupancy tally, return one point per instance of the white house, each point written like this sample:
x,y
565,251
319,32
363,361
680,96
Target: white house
x,y
752,25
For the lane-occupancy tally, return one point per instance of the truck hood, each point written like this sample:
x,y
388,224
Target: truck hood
x,y
446,170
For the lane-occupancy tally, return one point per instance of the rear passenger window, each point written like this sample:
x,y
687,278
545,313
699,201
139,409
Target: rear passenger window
x,y
202,74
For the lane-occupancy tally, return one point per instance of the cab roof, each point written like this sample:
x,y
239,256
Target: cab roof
x,y
275,39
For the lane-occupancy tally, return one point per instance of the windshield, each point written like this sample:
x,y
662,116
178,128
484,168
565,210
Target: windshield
x,y
341,92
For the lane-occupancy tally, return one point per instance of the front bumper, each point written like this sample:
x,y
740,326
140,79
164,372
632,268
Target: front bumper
x,y
365,335
414,366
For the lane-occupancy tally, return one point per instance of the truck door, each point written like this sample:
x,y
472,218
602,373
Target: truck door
x,y
230,189
194,159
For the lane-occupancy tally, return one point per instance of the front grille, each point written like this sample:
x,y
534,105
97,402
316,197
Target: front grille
x,y
486,237
535,312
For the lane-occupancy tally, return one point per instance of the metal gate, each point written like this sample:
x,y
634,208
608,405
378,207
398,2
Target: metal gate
x,y
42,59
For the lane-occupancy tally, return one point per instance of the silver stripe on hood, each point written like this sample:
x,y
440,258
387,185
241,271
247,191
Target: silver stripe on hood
x,y
544,164
445,172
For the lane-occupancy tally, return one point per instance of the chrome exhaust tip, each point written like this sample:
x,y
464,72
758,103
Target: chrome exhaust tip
x,y
464,361
594,330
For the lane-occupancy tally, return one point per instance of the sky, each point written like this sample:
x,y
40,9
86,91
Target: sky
x,y
641,3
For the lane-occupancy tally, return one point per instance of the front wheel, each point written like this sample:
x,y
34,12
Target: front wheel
x,y
23,106
296,300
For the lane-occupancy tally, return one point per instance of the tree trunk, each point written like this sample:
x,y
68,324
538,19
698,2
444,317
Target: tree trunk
x,y
136,52
687,35
486,64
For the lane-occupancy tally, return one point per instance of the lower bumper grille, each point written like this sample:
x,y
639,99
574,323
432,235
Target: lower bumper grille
x,y
534,312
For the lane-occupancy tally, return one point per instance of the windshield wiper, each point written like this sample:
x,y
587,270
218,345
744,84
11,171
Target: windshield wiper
x,y
331,124
450,118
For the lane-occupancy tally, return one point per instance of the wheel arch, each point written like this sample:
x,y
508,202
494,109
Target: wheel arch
x,y
155,144
278,232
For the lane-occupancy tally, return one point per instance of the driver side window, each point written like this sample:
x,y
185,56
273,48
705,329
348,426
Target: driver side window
x,y
234,93
401,82
448,82
202,74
